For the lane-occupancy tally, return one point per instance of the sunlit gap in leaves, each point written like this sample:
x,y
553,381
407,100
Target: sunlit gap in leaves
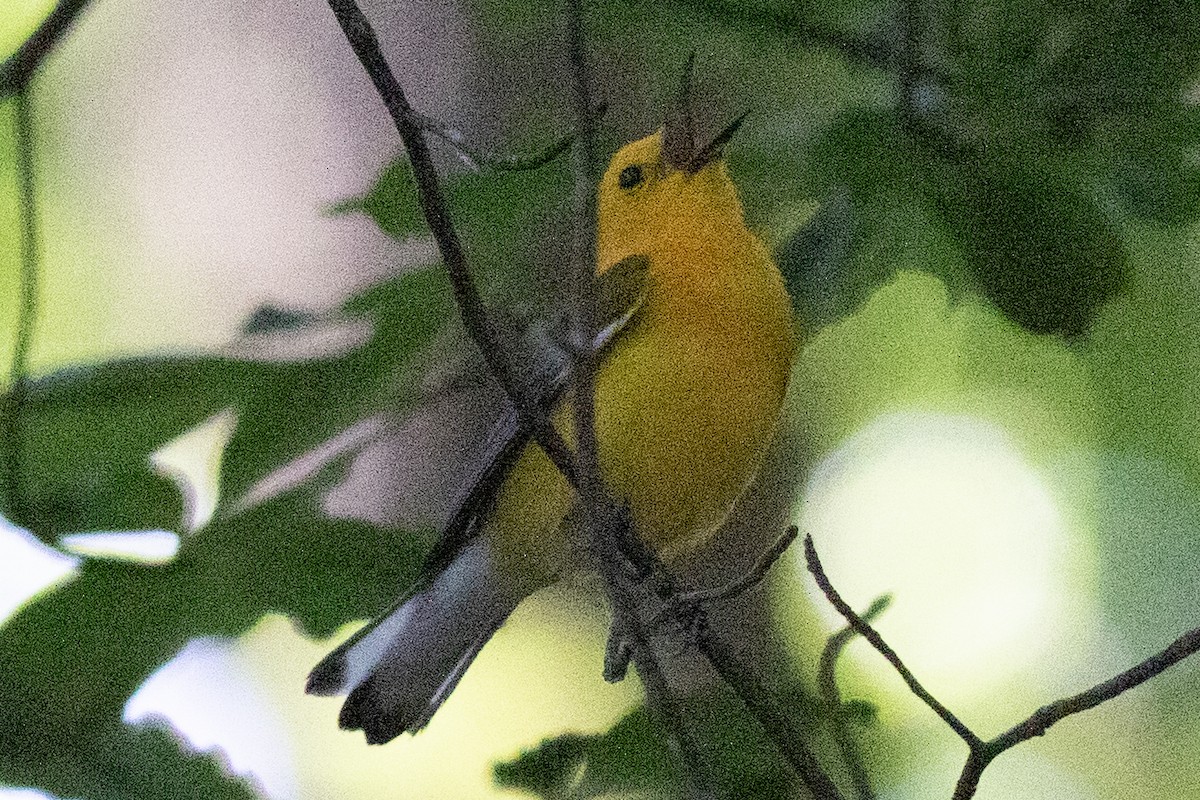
x,y
210,699
946,514
144,547
21,793
28,567
193,461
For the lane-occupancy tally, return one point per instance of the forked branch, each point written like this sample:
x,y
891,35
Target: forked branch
x,y
982,753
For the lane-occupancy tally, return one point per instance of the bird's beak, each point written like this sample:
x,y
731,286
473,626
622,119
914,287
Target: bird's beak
x,y
712,151
679,144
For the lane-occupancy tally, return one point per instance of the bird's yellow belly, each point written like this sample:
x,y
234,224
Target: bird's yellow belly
x,y
681,433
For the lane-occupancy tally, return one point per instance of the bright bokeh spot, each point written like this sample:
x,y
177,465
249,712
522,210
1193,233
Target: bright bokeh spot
x,y
537,678
144,547
15,793
946,514
27,567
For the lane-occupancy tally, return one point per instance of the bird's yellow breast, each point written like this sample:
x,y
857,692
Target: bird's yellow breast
x,y
688,401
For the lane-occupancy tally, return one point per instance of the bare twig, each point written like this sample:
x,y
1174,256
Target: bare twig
x,y
746,581
479,325
19,68
1040,721
603,518
827,683
10,435
476,158
779,726
864,629
982,753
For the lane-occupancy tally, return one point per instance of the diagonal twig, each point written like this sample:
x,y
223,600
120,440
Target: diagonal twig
x,y
476,158
481,328
603,519
19,68
780,726
1040,721
864,629
982,753
747,580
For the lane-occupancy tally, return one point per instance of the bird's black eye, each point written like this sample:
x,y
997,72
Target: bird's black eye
x,y
630,177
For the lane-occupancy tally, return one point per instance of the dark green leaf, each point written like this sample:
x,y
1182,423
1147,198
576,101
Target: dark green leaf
x,y
633,758
71,659
86,433
1038,244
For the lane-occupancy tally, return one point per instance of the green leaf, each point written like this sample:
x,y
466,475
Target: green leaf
x,y
71,659
869,154
391,201
86,434
1037,242
633,758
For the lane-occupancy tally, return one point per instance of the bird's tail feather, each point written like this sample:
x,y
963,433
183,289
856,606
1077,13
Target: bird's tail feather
x,y
405,664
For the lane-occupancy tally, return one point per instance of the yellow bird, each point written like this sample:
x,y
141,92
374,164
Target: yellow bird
x,y
688,395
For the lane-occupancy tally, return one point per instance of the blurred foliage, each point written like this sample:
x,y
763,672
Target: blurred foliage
x,y
633,758
1004,191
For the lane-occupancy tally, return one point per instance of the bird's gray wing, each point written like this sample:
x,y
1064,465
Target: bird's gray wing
x,y
621,293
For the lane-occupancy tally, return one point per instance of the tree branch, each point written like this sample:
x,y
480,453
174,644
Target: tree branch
x,y
476,158
864,629
479,325
19,68
779,726
747,580
1041,720
605,524
983,753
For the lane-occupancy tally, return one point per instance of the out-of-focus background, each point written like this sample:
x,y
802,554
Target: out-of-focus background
x,y
250,402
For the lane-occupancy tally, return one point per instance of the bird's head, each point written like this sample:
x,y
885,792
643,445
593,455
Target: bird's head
x,y
664,190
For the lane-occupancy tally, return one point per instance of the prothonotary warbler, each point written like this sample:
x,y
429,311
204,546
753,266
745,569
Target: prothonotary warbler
x,y
687,398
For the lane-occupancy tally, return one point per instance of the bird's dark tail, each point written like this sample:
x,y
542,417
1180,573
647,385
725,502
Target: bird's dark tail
x,y
400,668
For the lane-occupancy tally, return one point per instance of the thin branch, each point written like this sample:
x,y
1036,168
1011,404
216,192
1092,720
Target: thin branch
x,y
476,158
743,583
909,67
865,630
19,68
583,258
1041,720
779,726
983,753
630,636
481,328
605,525
781,729
11,435
827,683
1048,715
